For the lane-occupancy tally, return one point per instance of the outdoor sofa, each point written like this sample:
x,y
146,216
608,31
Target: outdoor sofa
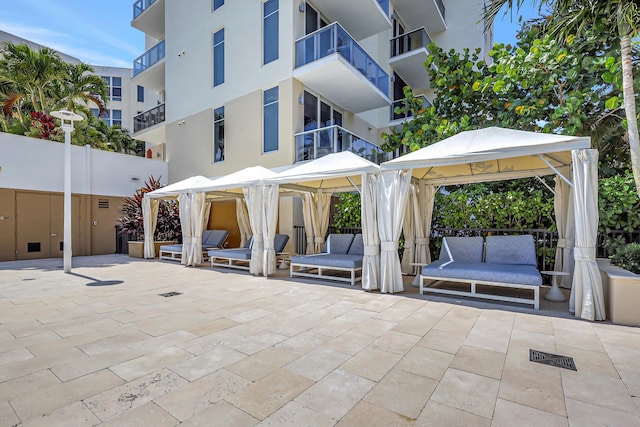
x,y
506,261
210,239
239,257
341,253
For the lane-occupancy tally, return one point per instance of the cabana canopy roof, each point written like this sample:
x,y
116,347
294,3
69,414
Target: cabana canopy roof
x,y
193,184
490,154
234,182
336,171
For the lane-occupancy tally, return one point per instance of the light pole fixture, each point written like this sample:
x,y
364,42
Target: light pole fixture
x,y
67,118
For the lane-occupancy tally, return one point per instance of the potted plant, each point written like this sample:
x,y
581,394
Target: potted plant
x,y
131,222
621,281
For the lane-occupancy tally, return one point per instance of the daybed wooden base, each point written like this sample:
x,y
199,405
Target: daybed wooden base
x,y
177,256
230,263
473,292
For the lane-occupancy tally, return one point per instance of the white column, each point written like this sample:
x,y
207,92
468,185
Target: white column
x,y
67,201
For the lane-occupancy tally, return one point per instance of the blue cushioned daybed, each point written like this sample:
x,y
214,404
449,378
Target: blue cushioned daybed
x,y
509,261
342,253
239,257
210,239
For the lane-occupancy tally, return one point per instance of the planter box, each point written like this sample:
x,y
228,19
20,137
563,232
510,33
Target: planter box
x,y
136,249
621,293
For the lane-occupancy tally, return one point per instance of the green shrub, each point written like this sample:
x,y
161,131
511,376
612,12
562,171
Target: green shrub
x,y
618,203
625,255
348,213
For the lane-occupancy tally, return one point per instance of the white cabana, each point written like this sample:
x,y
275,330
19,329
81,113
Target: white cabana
x,y
336,172
190,185
493,154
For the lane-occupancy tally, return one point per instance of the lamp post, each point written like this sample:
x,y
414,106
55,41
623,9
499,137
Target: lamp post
x,y
67,118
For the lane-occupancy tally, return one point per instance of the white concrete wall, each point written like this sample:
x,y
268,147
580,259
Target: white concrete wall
x,y
35,164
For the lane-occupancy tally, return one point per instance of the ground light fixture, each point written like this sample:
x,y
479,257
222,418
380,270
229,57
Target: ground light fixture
x,y
67,118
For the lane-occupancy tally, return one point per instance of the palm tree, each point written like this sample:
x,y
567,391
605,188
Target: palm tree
x,y
32,73
80,86
621,17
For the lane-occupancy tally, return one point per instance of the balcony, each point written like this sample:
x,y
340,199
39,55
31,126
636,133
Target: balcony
x,y
408,53
148,68
397,118
363,18
330,62
144,125
313,144
148,17
422,13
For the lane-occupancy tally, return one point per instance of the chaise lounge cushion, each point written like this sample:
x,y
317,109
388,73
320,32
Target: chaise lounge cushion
x,y
486,272
511,250
280,241
214,238
462,249
338,243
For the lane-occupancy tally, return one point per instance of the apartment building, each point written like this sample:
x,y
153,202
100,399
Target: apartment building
x,y
277,82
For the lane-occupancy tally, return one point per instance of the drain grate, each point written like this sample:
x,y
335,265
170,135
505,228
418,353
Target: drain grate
x,y
170,294
552,359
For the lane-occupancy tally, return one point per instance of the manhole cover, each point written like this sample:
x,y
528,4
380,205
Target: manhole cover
x,y
170,294
552,359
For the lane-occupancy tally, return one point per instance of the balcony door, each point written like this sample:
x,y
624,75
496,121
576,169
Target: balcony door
x,y
321,138
313,20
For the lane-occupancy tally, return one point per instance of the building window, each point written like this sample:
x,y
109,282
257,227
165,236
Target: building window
x,y
218,135
116,118
110,117
270,120
270,31
218,57
140,93
312,20
114,87
217,4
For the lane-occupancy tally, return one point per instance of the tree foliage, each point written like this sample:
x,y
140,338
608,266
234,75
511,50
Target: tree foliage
x,y
537,85
348,213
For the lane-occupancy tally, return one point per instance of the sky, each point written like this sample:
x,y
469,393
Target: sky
x,y
99,32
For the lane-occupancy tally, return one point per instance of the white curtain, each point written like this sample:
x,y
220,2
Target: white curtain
x,y
563,207
315,207
184,209
392,196
149,222
253,198
270,215
424,213
244,224
197,207
370,236
308,209
207,214
587,297
408,230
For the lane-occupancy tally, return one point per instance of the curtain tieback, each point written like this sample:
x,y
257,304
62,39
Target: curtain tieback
x,y
372,250
389,246
584,254
422,240
318,240
562,243
258,239
268,244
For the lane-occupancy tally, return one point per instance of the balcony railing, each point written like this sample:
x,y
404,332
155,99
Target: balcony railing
x,y
149,58
140,6
400,103
407,42
334,39
313,144
149,118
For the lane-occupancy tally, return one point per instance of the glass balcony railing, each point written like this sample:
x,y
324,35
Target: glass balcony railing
x,y
407,42
140,6
149,118
149,58
313,144
400,103
334,39
440,5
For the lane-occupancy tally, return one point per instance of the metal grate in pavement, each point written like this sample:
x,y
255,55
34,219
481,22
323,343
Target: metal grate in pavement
x,y
170,294
552,359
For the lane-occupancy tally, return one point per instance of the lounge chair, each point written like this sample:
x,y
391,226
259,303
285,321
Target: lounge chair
x,y
210,239
342,253
239,257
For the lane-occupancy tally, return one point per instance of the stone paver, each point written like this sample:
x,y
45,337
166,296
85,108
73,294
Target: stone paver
x,y
240,350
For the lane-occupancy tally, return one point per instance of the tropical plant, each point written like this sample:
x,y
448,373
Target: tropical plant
x,y
624,255
620,18
79,85
131,221
348,213
618,204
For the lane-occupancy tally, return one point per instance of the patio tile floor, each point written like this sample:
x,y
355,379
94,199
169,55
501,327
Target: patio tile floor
x,y
101,347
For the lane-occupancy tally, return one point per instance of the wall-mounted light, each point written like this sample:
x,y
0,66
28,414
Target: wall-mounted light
x,y
181,53
180,122
301,7
301,99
